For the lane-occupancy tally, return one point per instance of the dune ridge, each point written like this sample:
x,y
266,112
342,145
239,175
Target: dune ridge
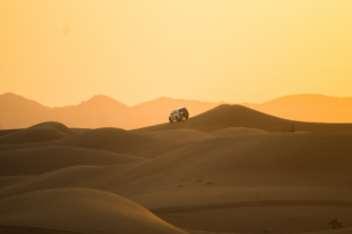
x,y
229,116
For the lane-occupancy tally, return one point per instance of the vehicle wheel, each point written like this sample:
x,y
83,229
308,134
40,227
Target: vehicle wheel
x,y
179,119
185,115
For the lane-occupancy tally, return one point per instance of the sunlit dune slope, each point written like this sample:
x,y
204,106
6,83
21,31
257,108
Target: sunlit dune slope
x,y
229,116
81,210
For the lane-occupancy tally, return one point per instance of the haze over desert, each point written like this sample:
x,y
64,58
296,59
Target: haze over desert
x,y
175,117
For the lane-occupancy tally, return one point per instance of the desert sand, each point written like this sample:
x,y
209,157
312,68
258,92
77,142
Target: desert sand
x,y
228,170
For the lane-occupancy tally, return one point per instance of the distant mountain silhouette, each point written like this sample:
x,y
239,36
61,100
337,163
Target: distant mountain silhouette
x,y
18,112
99,111
104,111
311,108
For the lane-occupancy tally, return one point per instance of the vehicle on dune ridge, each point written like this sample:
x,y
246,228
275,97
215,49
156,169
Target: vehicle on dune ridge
x,y
179,115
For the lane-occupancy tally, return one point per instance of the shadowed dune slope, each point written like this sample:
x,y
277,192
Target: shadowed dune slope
x,y
11,180
249,160
112,139
183,135
227,116
52,125
341,231
81,210
32,230
237,131
43,132
96,177
258,220
144,144
8,131
47,158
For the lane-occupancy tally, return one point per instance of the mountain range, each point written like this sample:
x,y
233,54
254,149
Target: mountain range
x,y
103,111
99,111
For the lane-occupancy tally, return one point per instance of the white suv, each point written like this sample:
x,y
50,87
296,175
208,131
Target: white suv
x,y
179,115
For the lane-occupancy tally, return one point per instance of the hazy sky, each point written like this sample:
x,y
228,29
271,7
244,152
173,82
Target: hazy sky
x,y
62,51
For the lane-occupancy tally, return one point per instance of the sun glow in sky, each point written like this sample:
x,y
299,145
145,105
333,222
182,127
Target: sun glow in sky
x,y
62,51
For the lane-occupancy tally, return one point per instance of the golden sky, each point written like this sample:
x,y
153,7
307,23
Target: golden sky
x,y
62,51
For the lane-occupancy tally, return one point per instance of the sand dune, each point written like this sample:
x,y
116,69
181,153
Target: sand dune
x,y
257,220
227,116
52,125
47,158
32,136
218,170
230,170
342,231
103,137
111,139
203,232
31,230
76,176
8,131
82,211
276,159
237,131
11,180
43,132
245,160
180,135
145,144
